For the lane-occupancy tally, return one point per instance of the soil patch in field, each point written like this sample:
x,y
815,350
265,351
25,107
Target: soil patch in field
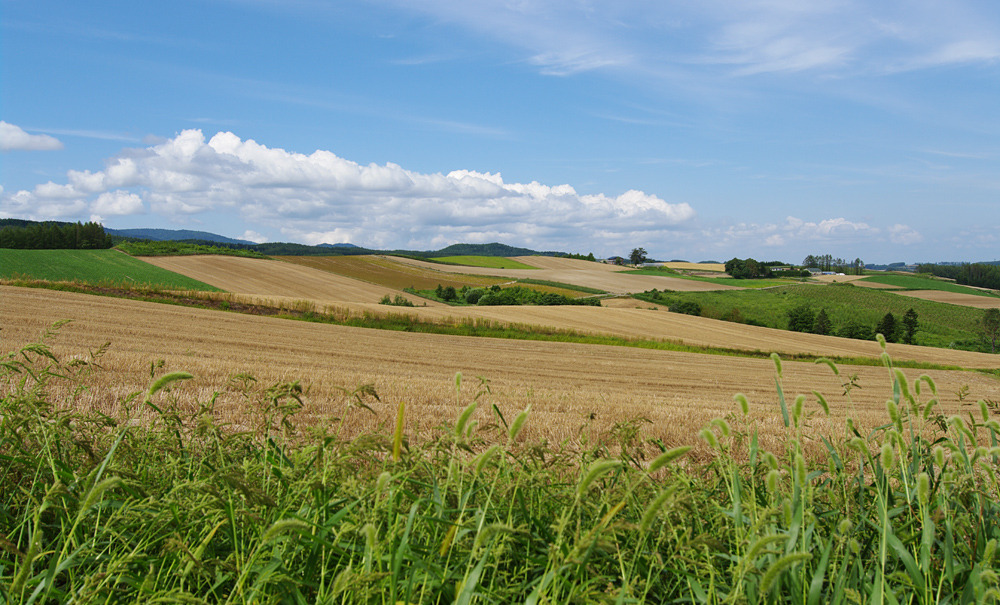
x,y
955,298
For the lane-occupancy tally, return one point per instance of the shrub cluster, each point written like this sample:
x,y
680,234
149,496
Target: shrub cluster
x,y
397,301
513,295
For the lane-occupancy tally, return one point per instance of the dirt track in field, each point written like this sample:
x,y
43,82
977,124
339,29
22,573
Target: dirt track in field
x,y
567,385
581,273
273,278
955,298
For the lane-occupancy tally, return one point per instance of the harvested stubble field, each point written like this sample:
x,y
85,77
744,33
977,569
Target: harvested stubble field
x,y
270,282
706,267
272,278
582,273
840,279
567,385
389,271
955,298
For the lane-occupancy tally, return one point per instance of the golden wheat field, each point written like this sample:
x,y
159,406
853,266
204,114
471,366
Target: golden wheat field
x,y
571,387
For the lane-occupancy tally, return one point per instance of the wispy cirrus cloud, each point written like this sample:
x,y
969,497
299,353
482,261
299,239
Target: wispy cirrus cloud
x,y
749,38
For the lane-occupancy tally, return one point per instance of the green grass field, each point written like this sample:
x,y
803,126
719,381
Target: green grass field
x,y
940,324
489,262
918,282
109,267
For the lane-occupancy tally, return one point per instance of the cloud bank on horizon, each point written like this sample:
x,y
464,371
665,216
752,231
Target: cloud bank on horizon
x,y
323,198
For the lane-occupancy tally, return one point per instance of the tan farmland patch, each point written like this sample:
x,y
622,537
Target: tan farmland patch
x,y
876,285
955,298
387,271
708,267
585,273
838,279
567,385
273,278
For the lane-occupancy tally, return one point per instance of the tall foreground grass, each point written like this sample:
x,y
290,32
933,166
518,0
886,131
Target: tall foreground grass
x,y
183,509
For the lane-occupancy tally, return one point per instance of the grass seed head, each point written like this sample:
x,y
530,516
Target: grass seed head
x,y
741,399
777,363
887,457
667,457
597,470
518,424
923,488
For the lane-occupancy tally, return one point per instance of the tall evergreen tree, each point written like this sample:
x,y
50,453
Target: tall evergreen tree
x,y
822,325
887,327
910,327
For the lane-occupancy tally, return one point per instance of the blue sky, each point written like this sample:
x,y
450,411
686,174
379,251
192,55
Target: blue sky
x,y
698,130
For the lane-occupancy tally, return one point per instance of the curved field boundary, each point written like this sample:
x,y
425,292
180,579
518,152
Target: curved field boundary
x,y
583,273
269,278
955,298
569,386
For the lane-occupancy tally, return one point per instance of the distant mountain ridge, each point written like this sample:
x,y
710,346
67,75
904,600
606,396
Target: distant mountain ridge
x,y
170,235
293,249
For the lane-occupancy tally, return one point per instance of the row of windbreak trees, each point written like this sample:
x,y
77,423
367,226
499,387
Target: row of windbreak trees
x,y
54,236
826,262
749,268
981,275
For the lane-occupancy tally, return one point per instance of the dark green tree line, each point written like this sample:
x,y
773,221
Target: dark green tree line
x,y
54,236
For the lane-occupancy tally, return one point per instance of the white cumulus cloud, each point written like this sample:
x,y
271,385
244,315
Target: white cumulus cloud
x,y
321,197
117,203
14,138
904,235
